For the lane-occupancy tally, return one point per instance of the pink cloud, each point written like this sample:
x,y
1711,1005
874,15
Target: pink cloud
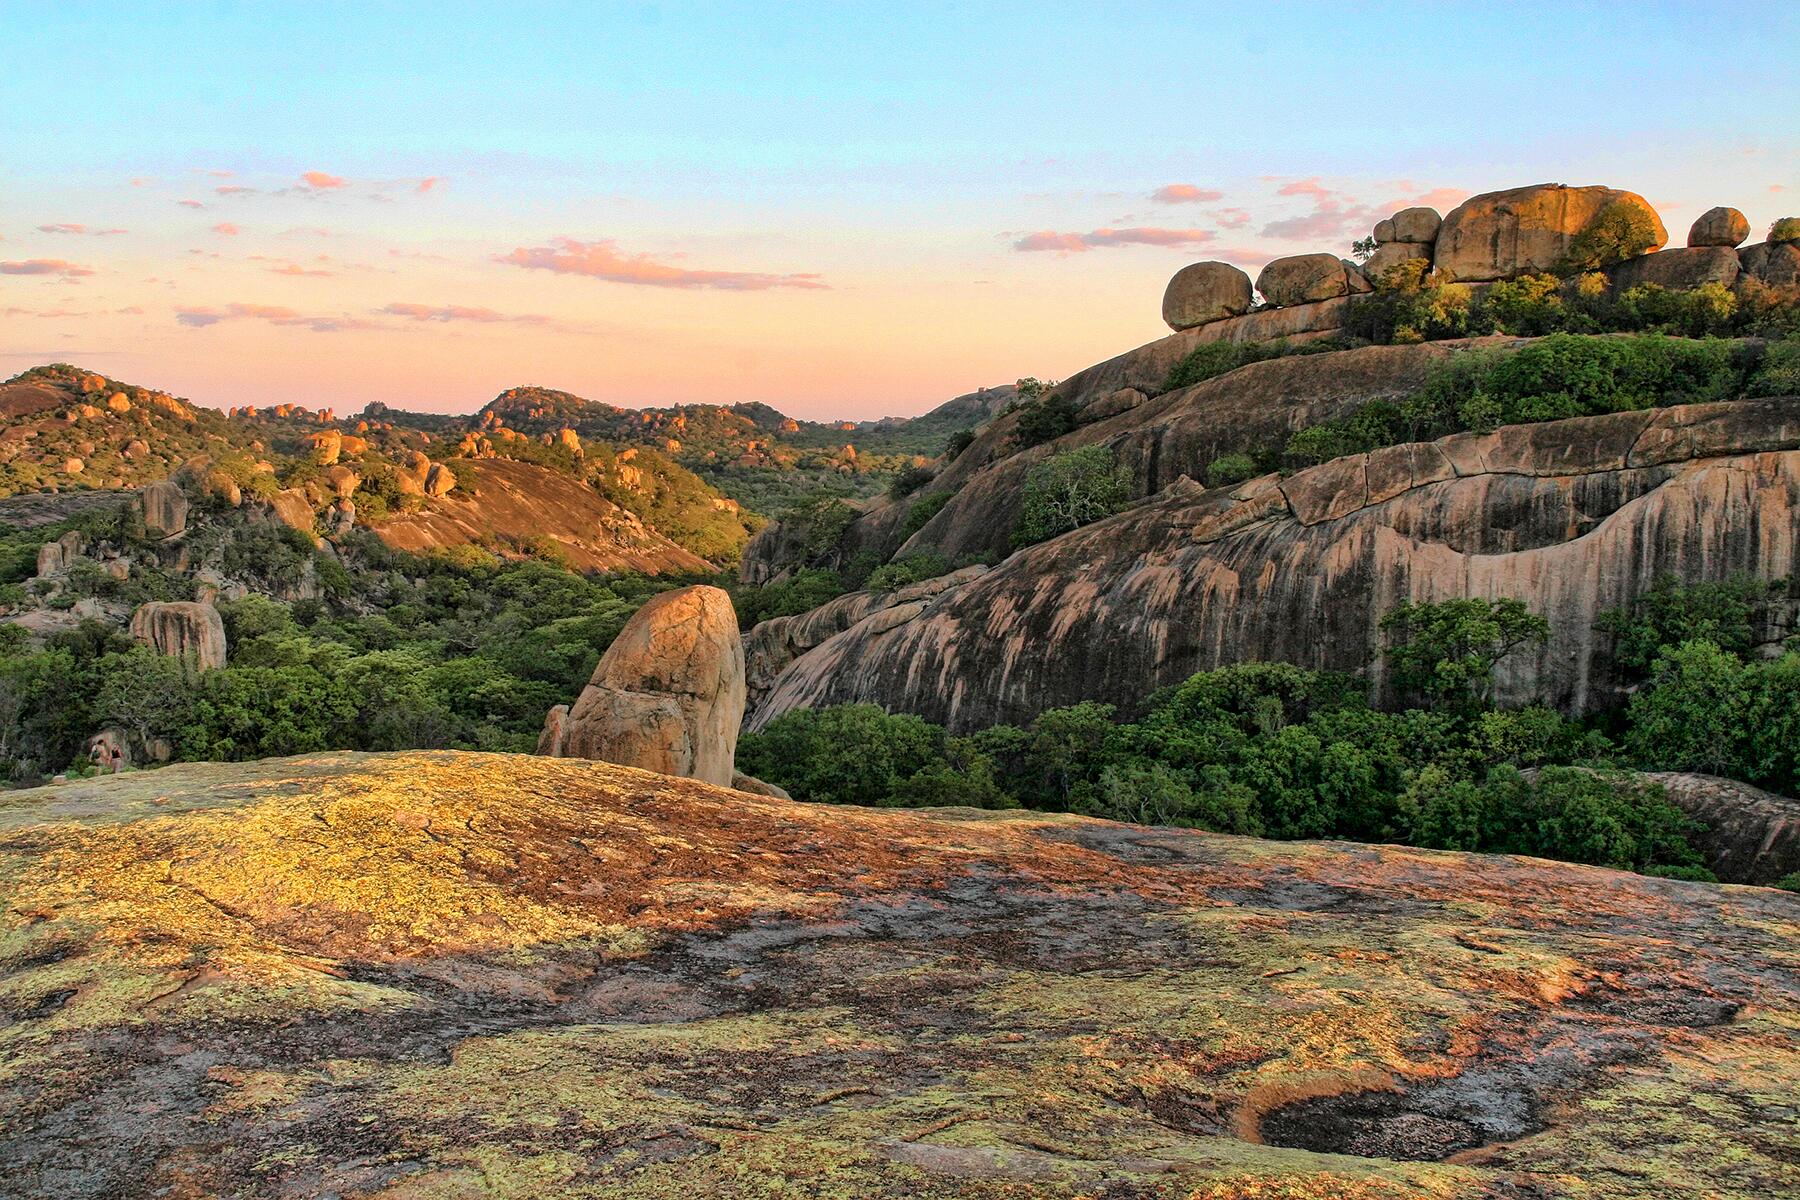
x,y
1306,187
1076,243
1443,199
322,181
190,204
457,312
234,189
227,229
429,182
195,317
44,266
297,269
1232,218
602,260
75,228
1185,193
141,181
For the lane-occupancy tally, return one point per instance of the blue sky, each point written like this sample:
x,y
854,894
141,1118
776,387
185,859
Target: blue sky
x,y
897,156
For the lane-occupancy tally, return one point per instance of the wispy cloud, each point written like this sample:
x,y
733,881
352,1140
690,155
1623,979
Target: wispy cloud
x,y
72,227
45,266
234,189
227,229
323,182
603,260
1076,243
456,312
1185,193
199,317
190,204
428,183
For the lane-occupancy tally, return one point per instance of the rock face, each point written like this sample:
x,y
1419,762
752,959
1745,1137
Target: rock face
x,y
556,978
1524,230
53,558
439,480
1416,226
163,507
1774,263
1204,292
668,694
1679,270
1303,279
1751,836
1571,517
293,509
182,627
1391,254
1719,227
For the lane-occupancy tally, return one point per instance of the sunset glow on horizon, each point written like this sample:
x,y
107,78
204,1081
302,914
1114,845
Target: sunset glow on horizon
x,y
846,214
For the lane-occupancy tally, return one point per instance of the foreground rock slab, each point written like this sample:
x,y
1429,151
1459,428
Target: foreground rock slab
x,y
457,975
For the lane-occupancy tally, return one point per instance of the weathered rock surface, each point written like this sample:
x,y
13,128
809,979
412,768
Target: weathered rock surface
x,y
1303,279
591,531
1751,836
465,976
1524,230
291,507
1572,517
1719,227
668,694
163,508
53,558
1416,226
1679,270
1168,436
1774,263
1203,292
1391,254
182,627
439,481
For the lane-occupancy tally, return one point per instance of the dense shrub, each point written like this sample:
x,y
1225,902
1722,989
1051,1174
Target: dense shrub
x,y
908,480
1787,229
1618,232
921,511
1445,653
1230,469
959,441
1044,420
1069,490
902,571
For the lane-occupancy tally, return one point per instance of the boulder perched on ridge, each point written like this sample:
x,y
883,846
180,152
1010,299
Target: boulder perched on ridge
x,y
1416,226
1303,279
1527,230
1719,227
668,694
1679,270
1776,264
181,627
1391,254
1203,292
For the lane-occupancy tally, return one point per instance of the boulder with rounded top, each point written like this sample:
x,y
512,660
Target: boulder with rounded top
x,y
1204,292
180,628
1303,279
1416,226
164,509
1528,230
1719,227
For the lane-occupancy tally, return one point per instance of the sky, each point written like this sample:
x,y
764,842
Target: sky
x,y
843,210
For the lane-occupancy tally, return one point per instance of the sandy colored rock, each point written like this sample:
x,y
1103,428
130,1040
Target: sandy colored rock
x,y
1391,254
1416,226
499,975
1719,227
1596,511
1748,835
1204,292
179,628
1776,264
342,481
326,446
741,782
293,509
163,507
439,480
1302,279
223,488
1524,231
1678,270
668,694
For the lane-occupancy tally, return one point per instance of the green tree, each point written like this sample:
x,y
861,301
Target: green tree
x,y
1691,715
1447,652
1069,490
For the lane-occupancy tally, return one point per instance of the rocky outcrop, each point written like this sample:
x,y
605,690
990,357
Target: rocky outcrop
x,y
1571,517
741,782
163,509
1303,279
1719,227
1525,231
1750,836
1204,292
291,507
53,558
1166,437
1389,255
522,499
182,628
668,694
1416,226
439,481
1678,270
1776,264
444,976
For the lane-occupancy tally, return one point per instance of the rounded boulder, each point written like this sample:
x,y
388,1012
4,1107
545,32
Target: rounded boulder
x,y
1530,230
1719,227
1204,292
1303,279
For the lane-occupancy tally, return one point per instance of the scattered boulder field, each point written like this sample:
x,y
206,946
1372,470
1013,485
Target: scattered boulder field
x,y
459,975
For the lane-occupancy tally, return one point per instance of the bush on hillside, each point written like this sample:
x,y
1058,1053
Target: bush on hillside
x,y
1229,470
1619,231
1787,229
1069,490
